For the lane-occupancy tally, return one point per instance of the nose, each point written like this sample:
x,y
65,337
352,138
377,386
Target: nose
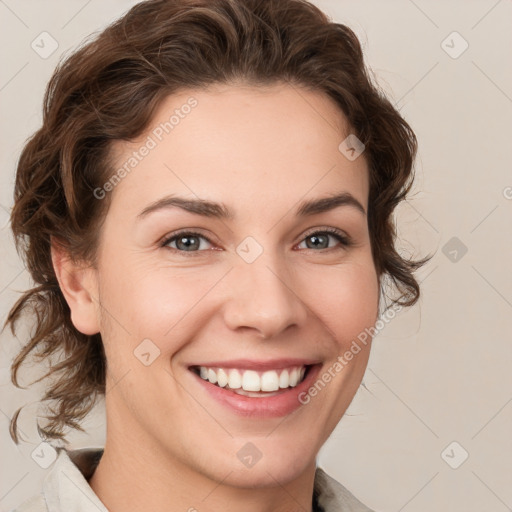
x,y
263,297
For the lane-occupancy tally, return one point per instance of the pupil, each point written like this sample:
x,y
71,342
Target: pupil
x,y
317,240
187,245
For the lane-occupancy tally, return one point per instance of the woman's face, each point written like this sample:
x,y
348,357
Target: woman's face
x,y
265,283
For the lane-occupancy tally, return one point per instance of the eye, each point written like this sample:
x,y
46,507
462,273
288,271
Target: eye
x,y
190,241
185,241
320,239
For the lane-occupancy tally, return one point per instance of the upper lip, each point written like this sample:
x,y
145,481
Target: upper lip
x,y
258,364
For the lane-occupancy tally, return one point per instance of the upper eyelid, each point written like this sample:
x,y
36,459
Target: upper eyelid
x,y
195,231
329,230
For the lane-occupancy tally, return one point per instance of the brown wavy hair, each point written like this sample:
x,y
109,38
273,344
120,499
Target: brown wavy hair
x,y
108,90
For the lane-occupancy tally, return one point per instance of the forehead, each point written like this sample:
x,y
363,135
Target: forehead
x,y
278,143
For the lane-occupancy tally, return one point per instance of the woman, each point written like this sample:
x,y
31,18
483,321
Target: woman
x,y
207,213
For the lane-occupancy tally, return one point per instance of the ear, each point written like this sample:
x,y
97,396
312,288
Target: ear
x,y
78,284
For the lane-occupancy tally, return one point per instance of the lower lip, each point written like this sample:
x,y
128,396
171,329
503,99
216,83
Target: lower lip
x,y
265,406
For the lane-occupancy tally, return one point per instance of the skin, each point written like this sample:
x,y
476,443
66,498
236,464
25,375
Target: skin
x,y
260,151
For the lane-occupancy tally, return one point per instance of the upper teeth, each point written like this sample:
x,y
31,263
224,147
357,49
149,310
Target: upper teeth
x,y
250,380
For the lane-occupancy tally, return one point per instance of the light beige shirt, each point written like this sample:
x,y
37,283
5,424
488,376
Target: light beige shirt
x,y
65,488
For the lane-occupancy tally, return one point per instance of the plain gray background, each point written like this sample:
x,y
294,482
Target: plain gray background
x,y
439,385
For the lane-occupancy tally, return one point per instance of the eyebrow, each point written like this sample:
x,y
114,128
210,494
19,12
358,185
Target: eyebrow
x,y
212,209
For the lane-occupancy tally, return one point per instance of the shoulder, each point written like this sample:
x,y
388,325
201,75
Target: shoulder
x,y
332,496
66,484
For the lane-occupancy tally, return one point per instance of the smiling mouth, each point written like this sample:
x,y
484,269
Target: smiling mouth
x,y
253,383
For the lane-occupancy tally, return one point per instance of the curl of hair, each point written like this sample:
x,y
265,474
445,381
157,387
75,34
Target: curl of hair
x,y
108,90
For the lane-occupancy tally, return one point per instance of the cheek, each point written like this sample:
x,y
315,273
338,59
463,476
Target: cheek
x,y
168,304
152,301
347,300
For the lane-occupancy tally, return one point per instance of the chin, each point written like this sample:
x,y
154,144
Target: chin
x,y
268,471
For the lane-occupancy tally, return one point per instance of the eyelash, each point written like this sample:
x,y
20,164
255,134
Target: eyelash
x,y
344,240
